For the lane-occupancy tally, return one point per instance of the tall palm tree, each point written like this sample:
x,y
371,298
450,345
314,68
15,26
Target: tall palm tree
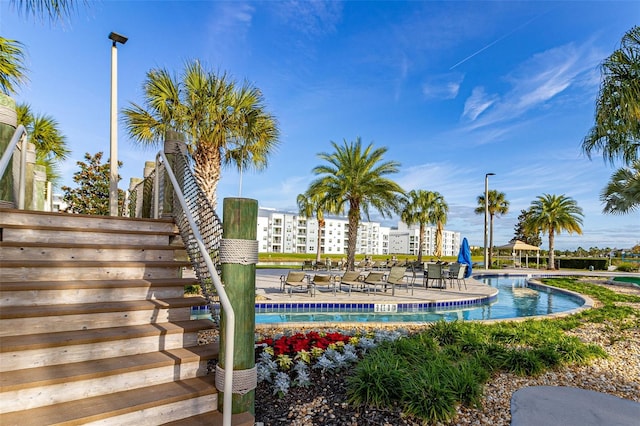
x,y
417,205
12,67
622,193
44,132
314,204
354,178
498,205
225,124
552,214
617,118
439,217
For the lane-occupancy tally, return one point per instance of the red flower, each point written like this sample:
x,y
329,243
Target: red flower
x,y
291,345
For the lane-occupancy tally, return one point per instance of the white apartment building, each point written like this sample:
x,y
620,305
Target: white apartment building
x,y
406,240
289,232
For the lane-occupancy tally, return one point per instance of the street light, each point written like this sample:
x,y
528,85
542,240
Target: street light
x,y
113,177
486,216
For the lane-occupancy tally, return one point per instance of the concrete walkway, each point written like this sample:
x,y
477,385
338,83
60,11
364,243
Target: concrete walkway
x,y
569,406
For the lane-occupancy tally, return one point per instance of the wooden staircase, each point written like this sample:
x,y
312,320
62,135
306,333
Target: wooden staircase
x,y
95,326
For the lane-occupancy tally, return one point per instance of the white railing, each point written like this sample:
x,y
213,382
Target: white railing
x,y
224,299
20,133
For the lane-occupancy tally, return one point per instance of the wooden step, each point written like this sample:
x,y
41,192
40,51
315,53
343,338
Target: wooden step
x,y
42,386
16,270
68,220
150,406
55,318
25,233
39,350
214,419
38,293
20,250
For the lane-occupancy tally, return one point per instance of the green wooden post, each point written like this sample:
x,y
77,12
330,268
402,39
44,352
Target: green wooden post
x,y
240,220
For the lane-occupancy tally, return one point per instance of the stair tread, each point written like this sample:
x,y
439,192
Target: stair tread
x,y
94,284
99,307
104,406
214,419
49,375
88,229
81,337
85,263
88,245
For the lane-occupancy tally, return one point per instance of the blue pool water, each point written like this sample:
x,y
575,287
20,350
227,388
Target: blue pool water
x,y
515,299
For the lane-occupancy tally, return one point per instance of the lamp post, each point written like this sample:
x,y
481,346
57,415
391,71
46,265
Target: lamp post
x,y
113,177
486,217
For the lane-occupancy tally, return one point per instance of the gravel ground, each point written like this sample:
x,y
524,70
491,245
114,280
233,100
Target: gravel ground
x,y
323,403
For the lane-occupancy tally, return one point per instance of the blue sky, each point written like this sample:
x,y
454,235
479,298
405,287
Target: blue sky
x,y
454,90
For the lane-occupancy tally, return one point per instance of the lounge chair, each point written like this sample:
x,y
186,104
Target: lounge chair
x,y
373,280
397,278
320,265
295,280
307,265
322,281
353,279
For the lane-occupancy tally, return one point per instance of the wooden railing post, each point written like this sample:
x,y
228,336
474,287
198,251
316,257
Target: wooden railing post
x,y
240,218
8,124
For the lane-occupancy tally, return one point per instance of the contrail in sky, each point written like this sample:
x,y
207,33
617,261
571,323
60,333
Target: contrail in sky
x,y
496,41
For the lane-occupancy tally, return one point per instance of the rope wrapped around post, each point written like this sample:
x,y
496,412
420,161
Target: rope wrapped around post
x,y
243,380
242,252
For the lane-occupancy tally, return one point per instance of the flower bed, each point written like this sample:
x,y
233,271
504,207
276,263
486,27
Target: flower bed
x,y
285,360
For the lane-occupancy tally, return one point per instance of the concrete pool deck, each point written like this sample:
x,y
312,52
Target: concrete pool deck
x,y
268,290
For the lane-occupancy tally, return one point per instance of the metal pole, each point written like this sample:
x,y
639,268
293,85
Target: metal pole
x,y
486,216
113,177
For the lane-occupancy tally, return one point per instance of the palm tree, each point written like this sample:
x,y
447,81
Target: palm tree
x,y
417,206
552,214
617,118
498,205
438,215
55,10
225,124
313,204
45,134
354,180
622,193
12,68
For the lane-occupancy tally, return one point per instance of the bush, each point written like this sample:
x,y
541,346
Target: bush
x,y
627,267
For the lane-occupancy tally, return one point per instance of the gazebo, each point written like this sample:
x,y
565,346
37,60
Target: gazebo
x,y
520,246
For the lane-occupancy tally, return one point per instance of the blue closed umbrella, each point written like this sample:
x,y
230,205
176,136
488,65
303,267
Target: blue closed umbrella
x,y
464,256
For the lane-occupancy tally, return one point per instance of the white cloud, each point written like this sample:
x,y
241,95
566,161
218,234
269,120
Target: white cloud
x,y
312,17
444,86
540,80
477,103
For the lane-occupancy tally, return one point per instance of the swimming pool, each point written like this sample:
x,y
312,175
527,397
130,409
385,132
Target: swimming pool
x,y
516,299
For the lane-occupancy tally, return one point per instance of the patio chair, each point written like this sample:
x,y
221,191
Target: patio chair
x,y
295,280
373,280
397,278
456,273
434,273
307,265
353,279
320,265
322,281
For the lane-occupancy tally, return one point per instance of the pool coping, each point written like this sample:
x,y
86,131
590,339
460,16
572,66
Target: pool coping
x,y
533,279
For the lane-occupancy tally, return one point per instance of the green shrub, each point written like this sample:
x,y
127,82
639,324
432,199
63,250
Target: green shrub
x,y
627,267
